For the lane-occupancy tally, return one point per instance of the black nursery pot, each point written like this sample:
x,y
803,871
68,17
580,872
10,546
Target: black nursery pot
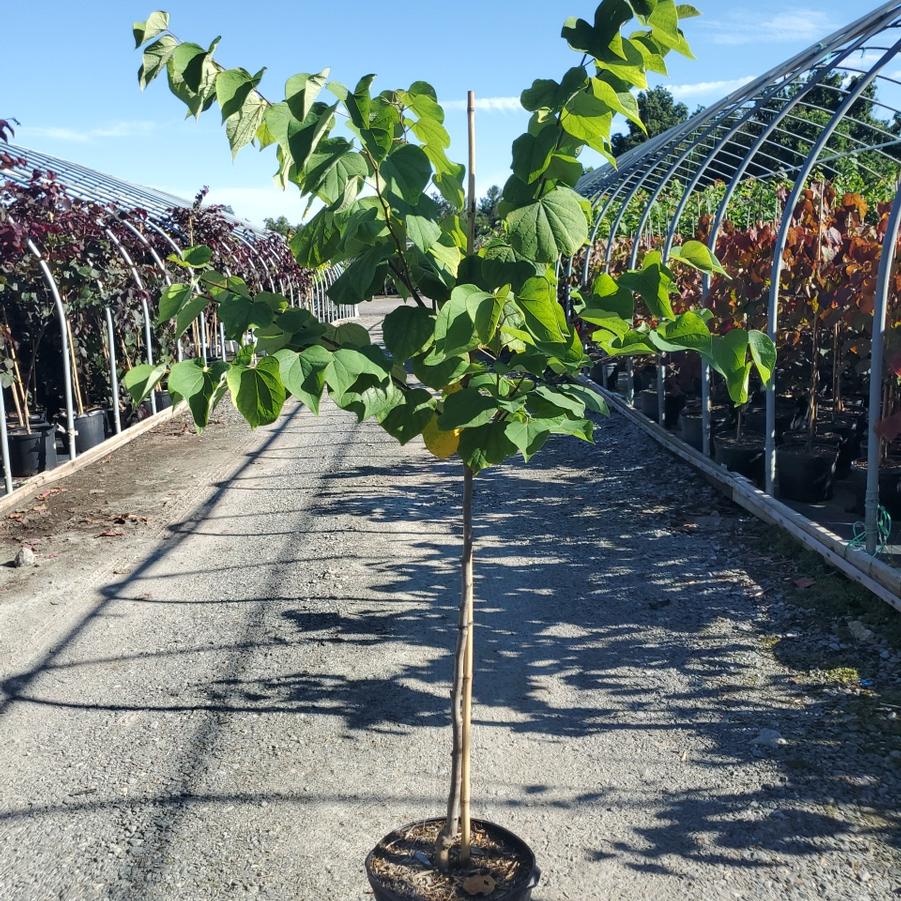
x,y
647,403
672,407
49,432
889,487
90,430
806,475
691,429
741,455
27,453
163,400
501,836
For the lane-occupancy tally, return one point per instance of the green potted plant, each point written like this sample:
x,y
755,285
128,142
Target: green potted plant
x,y
481,361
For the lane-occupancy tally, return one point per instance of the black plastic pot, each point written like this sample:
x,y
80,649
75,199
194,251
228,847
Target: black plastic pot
x,y
49,431
691,429
754,422
647,403
806,475
848,442
381,892
673,404
27,452
163,400
889,487
90,430
740,455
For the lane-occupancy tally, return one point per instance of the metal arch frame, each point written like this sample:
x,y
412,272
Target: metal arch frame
x,y
719,218
158,261
812,65
204,351
122,198
642,223
139,283
874,443
4,447
769,452
60,308
113,362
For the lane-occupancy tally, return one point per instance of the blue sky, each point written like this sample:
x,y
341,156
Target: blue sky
x,y
68,73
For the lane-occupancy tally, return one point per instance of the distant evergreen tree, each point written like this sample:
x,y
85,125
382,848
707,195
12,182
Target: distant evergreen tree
x,y
659,112
280,225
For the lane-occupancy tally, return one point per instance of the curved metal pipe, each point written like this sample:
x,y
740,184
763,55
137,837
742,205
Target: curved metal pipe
x,y
64,332
720,217
139,283
201,319
4,446
874,443
779,250
111,348
114,376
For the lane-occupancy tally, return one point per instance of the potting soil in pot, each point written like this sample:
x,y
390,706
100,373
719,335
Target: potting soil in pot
x,y
402,864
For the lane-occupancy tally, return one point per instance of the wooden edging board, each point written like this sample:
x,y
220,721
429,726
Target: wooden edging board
x,y
29,486
881,579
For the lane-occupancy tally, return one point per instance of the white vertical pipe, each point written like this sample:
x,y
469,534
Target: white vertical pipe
x,y
4,446
64,331
113,375
874,442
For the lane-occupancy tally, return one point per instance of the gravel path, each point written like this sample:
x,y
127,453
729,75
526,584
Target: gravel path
x,y
261,693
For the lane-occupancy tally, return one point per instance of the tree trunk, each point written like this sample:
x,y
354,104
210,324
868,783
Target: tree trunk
x,y
837,405
467,611
461,699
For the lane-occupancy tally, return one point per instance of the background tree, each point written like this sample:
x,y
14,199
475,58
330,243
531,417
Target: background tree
x,y
487,216
658,111
280,226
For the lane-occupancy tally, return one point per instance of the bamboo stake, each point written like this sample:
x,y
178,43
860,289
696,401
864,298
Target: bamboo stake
x,y
79,399
458,801
467,560
471,204
17,385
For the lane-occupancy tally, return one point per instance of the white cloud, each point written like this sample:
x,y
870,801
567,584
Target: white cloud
x,y
706,88
788,26
88,135
495,104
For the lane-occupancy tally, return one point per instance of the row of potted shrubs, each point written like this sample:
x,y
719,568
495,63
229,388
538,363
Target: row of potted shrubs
x,y
809,463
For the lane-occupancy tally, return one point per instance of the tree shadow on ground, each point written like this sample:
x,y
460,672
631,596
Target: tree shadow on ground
x,y
618,581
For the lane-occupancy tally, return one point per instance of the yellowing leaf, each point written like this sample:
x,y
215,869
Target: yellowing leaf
x,y
441,444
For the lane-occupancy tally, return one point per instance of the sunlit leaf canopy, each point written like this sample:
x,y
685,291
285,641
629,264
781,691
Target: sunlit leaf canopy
x,y
482,360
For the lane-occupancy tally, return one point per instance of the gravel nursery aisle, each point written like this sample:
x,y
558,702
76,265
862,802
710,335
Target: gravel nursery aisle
x,y
261,695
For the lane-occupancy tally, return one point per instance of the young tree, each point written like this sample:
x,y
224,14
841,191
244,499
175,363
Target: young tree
x,y
493,356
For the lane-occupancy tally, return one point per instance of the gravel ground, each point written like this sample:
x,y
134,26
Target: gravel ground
x,y
241,704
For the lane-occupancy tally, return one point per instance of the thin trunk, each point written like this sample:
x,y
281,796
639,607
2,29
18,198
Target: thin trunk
x,y
461,696
837,405
468,593
814,383
18,387
126,357
458,800
814,338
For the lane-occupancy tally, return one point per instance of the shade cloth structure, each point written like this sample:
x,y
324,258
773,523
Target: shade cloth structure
x,y
833,108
